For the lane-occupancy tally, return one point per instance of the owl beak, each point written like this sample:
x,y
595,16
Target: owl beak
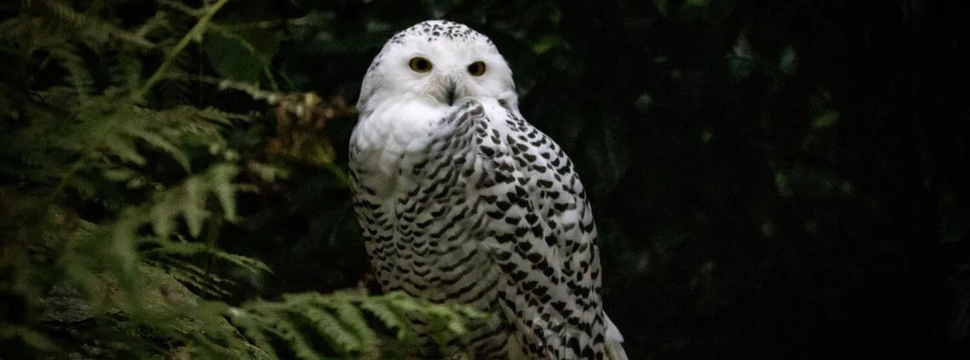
x,y
450,92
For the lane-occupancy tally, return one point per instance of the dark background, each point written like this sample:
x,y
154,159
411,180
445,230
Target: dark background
x,y
770,179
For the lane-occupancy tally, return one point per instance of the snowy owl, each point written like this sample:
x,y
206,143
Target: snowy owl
x,y
460,199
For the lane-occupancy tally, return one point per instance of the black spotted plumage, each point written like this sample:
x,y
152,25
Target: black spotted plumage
x,y
468,202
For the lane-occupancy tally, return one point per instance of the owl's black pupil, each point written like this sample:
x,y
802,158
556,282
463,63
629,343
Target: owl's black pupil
x,y
421,64
476,68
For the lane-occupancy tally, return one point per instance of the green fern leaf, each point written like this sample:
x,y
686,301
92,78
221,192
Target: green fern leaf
x,y
351,316
186,248
224,189
295,339
328,326
192,205
94,29
126,150
384,312
78,76
253,326
158,141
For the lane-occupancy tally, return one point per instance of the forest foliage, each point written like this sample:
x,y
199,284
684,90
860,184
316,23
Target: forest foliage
x,y
113,171
770,180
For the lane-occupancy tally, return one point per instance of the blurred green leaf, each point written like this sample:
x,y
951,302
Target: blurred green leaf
x,y
740,67
707,135
788,61
825,120
548,42
233,57
663,8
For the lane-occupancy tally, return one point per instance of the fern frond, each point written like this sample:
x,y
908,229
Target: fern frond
x,y
224,189
155,23
391,317
193,276
330,328
185,248
271,97
253,326
180,7
218,116
78,76
342,320
288,332
93,28
125,149
188,200
90,136
194,34
352,317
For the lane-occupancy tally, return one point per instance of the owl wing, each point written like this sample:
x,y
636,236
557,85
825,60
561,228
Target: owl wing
x,y
375,222
537,225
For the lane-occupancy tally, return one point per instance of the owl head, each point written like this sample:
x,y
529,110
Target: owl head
x,y
439,60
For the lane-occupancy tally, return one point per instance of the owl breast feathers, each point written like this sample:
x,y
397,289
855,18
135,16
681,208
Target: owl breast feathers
x,y
460,199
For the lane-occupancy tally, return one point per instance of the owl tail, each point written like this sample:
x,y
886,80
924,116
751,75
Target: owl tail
x,y
614,342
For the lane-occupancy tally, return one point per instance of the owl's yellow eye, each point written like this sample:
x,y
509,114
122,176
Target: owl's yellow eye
x,y
477,68
420,64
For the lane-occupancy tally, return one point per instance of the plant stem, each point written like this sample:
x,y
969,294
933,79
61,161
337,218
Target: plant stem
x,y
195,33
